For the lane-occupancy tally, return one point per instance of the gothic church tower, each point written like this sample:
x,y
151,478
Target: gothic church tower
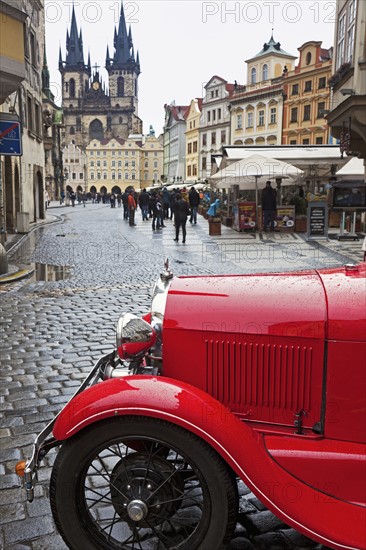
x,y
91,111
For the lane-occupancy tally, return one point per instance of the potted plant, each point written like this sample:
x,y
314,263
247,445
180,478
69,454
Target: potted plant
x,y
214,226
300,214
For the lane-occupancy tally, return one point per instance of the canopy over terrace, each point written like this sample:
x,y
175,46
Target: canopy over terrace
x,y
318,162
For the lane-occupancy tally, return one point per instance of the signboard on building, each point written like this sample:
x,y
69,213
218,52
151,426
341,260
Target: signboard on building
x,y
10,138
317,224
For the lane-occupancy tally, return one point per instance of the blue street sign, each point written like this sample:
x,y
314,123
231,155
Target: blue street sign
x,y
10,138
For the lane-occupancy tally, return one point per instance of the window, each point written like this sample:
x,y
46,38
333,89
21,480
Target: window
x,y
322,83
293,142
212,94
261,118
133,177
119,175
194,171
321,109
295,89
72,131
204,139
204,163
208,116
195,146
105,176
250,120
98,163
120,86
189,172
307,112
253,76
351,30
30,113
146,165
72,88
223,136
92,175
308,58
319,140
307,86
126,175
239,122
189,148
92,163
113,163
216,93
265,72
33,53
273,115
133,163
81,176
293,114
99,176
218,114
113,175
146,175
305,141
74,176
340,40
37,118
126,162
119,163
213,138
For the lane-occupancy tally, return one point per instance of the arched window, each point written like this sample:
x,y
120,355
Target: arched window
x,y
72,87
265,72
96,130
120,86
72,130
253,76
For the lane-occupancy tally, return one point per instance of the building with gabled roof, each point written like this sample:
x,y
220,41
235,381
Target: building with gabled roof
x,y
214,121
256,108
192,139
174,142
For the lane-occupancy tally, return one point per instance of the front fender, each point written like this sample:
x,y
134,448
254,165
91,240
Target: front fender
x,y
318,516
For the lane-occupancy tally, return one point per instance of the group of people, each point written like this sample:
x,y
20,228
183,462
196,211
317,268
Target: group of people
x,y
159,206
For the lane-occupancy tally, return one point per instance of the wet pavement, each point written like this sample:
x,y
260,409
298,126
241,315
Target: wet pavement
x,y
58,322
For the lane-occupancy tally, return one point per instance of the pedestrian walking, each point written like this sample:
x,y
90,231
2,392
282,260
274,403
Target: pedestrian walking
x,y
194,200
144,204
156,207
119,200
73,198
62,195
166,203
125,205
131,208
269,205
112,200
181,211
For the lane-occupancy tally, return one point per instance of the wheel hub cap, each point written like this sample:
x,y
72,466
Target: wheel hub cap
x,y
137,510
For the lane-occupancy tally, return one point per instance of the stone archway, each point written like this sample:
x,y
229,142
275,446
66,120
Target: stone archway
x,y
9,195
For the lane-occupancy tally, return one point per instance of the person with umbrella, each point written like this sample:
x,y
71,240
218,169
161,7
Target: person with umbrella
x,y
269,205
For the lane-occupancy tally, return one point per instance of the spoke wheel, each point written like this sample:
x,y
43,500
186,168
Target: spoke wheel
x,y
138,483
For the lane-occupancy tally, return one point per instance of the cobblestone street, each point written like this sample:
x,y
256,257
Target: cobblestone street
x,y
56,324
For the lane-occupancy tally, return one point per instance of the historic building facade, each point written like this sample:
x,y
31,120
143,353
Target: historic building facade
x,y
174,142
114,164
92,110
307,95
257,107
22,30
214,122
192,139
347,117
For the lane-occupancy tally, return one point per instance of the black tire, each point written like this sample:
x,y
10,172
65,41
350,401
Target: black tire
x,y
137,483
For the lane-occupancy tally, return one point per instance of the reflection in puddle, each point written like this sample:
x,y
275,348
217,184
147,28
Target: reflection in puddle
x,y
46,272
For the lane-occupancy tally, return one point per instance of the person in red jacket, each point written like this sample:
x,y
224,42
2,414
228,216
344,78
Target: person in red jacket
x,y
131,207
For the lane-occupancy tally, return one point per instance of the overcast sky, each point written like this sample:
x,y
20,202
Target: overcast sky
x,y
182,44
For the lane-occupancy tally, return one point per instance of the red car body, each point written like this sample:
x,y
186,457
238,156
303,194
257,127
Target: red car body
x,y
269,370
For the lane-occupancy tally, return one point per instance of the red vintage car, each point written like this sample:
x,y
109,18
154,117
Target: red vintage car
x,y
257,377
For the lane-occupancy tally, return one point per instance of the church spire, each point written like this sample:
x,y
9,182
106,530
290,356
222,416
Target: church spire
x,y
121,41
74,44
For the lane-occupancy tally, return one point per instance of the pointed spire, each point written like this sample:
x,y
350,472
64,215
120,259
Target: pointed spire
x,y
133,54
60,62
122,47
74,44
138,61
107,58
45,73
130,43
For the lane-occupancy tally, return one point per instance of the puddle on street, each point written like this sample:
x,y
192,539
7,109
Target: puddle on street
x,y
47,272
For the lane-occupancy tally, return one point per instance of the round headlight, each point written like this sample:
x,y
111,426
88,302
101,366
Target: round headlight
x,y
134,336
